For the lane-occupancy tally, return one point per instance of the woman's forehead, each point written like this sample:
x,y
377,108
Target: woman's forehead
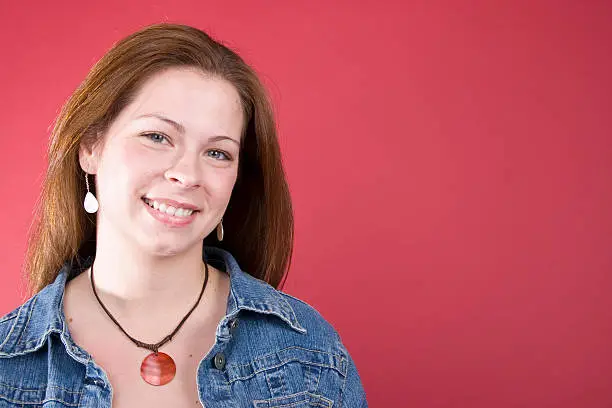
x,y
196,101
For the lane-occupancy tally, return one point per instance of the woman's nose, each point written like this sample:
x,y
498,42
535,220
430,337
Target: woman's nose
x,y
185,171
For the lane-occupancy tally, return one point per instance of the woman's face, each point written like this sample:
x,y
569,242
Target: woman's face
x,y
177,142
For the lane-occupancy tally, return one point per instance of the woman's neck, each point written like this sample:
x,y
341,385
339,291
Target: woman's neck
x,y
134,284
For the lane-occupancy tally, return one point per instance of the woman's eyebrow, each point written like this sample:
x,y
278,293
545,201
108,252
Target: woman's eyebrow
x,y
222,137
181,129
171,122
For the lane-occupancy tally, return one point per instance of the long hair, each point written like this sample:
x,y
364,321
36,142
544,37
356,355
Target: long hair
x,y
259,218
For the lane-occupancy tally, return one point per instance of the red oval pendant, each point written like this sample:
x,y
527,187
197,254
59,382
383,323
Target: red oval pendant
x,y
158,369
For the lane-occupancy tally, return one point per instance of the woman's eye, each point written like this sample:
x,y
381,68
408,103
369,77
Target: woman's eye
x,y
219,152
156,137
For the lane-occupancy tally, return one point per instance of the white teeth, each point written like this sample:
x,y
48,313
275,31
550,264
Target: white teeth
x,y
168,209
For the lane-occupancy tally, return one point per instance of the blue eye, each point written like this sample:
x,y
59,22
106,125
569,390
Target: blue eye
x,y
222,152
156,137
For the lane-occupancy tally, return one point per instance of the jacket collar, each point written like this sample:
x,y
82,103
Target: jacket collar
x,y
43,313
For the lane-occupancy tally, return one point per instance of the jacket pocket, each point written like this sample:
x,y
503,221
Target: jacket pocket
x,y
302,399
47,396
291,377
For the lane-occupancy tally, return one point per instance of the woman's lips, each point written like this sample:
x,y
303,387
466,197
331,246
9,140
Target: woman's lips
x,y
167,219
174,203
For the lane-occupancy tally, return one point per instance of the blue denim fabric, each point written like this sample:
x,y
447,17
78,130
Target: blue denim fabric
x,y
282,353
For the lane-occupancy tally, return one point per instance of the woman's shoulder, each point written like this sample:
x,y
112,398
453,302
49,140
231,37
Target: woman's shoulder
x,y
320,331
301,350
7,321
25,327
311,330
12,324
310,317
10,315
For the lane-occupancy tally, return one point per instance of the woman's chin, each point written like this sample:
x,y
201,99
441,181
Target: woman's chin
x,y
164,248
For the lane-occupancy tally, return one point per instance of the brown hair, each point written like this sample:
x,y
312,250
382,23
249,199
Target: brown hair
x,y
259,218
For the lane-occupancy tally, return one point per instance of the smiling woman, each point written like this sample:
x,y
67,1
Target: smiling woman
x,y
165,176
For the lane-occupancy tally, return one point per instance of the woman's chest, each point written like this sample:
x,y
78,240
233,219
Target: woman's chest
x,y
121,359
122,365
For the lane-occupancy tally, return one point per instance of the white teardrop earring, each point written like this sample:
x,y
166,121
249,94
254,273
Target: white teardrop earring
x,y
90,203
220,230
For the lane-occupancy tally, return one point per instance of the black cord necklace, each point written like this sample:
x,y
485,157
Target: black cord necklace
x,y
157,368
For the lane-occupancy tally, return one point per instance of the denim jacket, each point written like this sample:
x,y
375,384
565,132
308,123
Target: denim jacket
x,y
270,350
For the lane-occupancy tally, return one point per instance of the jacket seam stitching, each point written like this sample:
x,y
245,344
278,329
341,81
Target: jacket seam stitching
x,y
8,317
8,336
292,312
343,391
280,315
287,348
255,372
316,395
41,388
42,402
27,321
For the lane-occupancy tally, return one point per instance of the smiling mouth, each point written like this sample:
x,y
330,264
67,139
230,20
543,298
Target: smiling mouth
x,y
168,209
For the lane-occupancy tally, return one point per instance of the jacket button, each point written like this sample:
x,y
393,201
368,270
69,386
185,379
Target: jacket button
x,y
219,361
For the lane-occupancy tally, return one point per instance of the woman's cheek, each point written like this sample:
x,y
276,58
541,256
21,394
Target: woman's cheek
x,y
224,184
137,157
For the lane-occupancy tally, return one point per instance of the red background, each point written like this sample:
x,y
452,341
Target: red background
x,y
450,162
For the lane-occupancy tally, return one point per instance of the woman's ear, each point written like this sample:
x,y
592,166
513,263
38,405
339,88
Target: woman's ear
x,y
88,155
